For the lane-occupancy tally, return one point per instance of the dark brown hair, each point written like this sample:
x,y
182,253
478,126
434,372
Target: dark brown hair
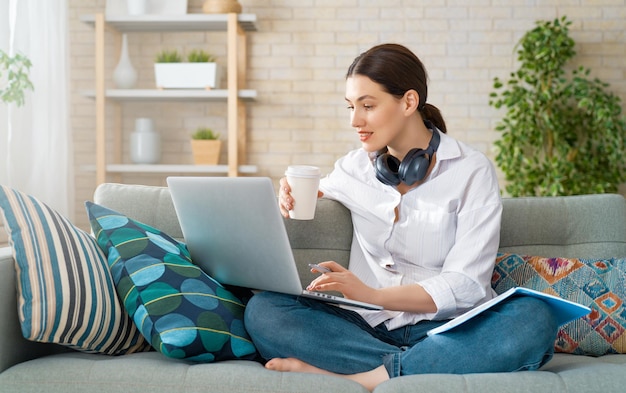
x,y
397,70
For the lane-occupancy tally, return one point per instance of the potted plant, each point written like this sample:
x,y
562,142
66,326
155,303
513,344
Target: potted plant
x,y
562,134
199,72
14,79
205,146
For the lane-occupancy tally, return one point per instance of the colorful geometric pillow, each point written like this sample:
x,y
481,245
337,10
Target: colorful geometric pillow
x,y
180,310
599,284
65,291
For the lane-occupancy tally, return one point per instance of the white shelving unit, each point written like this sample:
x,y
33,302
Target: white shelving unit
x,y
171,95
174,23
235,95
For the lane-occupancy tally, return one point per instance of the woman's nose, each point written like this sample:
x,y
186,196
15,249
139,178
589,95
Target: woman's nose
x,y
356,121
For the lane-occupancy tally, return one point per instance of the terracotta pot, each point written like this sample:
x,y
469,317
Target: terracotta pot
x,y
221,6
206,152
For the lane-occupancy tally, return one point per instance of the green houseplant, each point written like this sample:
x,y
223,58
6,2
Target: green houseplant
x,y
204,133
14,80
206,146
199,72
168,56
200,56
563,133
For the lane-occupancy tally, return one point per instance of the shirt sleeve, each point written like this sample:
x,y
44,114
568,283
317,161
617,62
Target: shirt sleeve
x,y
465,277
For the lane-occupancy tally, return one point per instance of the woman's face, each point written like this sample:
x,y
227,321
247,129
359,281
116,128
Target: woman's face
x,y
378,117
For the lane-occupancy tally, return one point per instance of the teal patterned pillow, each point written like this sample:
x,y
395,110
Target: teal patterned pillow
x,y
599,284
180,310
65,292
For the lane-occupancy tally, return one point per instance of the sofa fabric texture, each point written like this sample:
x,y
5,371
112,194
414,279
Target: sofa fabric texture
x,y
582,227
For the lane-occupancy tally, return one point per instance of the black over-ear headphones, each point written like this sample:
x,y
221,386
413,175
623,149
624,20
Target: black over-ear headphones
x,y
414,166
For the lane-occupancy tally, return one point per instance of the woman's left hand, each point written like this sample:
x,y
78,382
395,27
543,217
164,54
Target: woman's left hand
x,y
342,280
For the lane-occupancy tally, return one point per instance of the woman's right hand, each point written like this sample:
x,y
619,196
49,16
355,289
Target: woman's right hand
x,y
285,200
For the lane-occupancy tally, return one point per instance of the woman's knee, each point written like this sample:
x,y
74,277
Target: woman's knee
x,y
535,322
262,308
536,312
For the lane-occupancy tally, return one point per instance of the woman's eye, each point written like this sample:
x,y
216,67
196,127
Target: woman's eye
x,y
350,108
368,107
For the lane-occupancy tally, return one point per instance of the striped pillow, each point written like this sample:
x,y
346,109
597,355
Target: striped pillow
x,y
65,292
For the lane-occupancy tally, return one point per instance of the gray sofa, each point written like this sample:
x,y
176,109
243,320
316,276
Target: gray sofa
x,y
582,226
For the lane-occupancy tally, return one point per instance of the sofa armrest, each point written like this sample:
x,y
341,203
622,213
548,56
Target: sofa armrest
x,y
14,348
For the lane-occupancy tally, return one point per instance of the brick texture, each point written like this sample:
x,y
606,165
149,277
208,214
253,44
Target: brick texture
x,y
298,58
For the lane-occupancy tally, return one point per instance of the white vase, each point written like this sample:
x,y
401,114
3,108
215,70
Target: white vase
x,y
124,75
145,143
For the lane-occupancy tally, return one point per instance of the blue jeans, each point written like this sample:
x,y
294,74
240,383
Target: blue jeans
x,y
517,334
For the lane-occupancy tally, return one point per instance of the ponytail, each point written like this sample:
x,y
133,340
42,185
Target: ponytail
x,y
432,113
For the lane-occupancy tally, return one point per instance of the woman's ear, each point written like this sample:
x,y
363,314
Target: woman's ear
x,y
411,100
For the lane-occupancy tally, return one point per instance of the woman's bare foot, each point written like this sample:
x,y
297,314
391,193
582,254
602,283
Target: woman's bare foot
x,y
369,379
294,365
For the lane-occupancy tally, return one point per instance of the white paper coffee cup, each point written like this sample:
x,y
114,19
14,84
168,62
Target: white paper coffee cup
x,y
304,181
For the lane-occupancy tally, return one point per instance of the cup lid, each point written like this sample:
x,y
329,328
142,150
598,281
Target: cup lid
x,y
302,171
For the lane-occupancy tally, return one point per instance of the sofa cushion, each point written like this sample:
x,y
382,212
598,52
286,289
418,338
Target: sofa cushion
x,y
65,292
150,372
597,283
579,226
179,309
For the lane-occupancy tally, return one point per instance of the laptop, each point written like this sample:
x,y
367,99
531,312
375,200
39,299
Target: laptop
x,y
235,233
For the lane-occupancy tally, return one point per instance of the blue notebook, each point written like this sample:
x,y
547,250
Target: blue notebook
x,y
564,310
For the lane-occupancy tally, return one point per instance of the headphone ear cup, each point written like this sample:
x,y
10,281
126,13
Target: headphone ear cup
x,y
386,168
413,167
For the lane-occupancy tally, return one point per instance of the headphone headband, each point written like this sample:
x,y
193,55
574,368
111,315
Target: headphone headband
x,y
435,139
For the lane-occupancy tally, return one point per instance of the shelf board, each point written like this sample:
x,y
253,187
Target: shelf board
x,y
161,168
143,168
171,94
173,23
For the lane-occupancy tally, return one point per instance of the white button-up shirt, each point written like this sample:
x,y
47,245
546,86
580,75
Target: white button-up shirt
x,y
446,236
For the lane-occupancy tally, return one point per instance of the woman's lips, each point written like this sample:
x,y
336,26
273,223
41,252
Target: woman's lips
x,y
365,135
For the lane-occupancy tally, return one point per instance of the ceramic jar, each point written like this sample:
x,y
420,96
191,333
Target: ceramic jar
x,y
145,143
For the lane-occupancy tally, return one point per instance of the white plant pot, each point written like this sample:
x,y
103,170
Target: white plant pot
x,y
187,75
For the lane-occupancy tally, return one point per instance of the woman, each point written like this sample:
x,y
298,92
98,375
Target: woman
x,y
426,212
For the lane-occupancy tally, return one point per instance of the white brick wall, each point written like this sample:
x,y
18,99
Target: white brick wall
x,y
297,62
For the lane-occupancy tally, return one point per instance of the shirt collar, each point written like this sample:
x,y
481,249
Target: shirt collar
x,y
448,148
